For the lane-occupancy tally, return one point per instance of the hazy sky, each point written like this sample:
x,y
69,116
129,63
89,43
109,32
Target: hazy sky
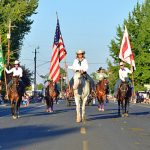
x,y
85,24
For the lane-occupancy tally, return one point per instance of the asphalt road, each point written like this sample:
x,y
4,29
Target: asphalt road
x,y
38,130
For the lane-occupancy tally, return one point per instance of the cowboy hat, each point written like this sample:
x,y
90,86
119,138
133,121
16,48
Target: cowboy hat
x,y
121,63
80,52
16,62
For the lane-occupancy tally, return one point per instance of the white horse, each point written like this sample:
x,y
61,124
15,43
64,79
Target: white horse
x,y
81,90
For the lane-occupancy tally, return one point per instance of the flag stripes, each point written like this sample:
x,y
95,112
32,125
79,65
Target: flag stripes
x,y
58,53
126,53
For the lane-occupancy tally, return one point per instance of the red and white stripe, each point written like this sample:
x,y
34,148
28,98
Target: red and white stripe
x,y
62,50
55,67
126,53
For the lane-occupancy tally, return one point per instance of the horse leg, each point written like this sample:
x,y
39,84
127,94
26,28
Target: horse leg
x,y
83,109
127,107
12,108
15,110
47,103
51,104
99,104
123,105
77,101
18,108
102,103
118,107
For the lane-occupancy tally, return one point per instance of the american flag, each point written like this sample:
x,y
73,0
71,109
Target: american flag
x,y
58,53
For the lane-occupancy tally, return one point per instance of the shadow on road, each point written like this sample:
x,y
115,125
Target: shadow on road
x,y
103,116
43,113
140,113
19,137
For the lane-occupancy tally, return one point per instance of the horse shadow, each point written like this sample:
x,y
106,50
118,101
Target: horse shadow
x,y
103,116
59,111
140,113
28,135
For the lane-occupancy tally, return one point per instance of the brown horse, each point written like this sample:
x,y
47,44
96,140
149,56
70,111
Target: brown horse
x,y
124,94
69,96
101,91
50,96
14,97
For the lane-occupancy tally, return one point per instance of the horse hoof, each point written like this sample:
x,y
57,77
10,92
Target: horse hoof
x,y
99,109
18,116
47,110
123,115
126,115
14,117
102,109
78,121
51,111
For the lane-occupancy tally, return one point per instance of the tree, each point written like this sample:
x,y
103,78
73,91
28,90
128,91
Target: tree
x,y
138,26
18,12
26,77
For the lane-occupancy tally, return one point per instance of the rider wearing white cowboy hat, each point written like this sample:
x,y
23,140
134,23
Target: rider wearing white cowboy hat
x,y
16,71
80,64
123,76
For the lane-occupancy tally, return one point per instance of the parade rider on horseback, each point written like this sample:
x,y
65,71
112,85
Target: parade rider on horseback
x,y
80,64
123,77
17,71
100,74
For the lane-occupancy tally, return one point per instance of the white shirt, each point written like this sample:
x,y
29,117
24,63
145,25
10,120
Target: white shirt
x,y
76,65
123,73
16,72
100,76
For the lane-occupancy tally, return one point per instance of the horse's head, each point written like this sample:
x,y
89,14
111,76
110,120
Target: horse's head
x,y
123,89
77,78
103,85
15,80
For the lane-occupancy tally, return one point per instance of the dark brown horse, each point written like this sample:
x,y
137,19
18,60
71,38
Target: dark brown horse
x,y
124,94
101,91
50,96
15,97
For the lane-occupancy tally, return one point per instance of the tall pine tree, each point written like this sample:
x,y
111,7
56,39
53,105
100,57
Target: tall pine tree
x,y
138,25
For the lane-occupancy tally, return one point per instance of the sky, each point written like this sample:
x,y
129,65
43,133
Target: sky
x,y
88,25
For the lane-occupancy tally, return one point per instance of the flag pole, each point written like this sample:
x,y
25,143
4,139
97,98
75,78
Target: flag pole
x,y
67,77
66,70
133,96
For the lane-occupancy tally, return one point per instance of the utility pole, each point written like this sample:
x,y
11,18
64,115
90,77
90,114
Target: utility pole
x,y
8,37
35,52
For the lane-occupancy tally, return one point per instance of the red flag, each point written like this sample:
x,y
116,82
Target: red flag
x,y
126,53
58,53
